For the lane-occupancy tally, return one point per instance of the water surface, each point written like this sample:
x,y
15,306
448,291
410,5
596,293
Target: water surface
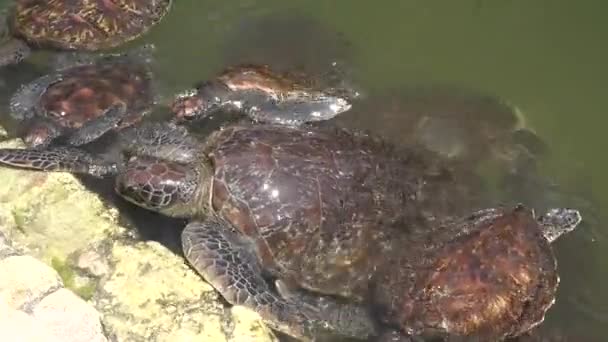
x,y
548,57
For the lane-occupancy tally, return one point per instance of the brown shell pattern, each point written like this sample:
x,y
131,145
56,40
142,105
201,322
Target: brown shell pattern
x,y
260,78
85,24
284,188
493,283
85,92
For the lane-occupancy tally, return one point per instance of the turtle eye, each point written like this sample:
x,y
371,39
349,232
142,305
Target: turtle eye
x,y
130,193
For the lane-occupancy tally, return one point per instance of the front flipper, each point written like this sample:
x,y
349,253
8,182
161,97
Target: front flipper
x,y
13,51
24,104
95,128
161,140
349,320
298,111
61,159
218,254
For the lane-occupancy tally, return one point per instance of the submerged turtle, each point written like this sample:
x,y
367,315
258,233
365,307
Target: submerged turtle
x,y
265,95
86,97
77,25
331,215
460,124
270,39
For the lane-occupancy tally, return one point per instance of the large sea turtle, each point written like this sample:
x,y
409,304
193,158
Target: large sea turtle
x,y
344,223
86,97
90,25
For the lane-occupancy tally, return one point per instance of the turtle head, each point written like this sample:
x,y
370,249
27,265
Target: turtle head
x,y
559,221
40,133
199,102
158,185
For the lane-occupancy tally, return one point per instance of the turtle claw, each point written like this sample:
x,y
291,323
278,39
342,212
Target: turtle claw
x,y
217,252
95,128
60,159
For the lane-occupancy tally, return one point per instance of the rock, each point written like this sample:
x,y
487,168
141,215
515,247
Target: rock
x,y
16,325
26,281
141,291
34,306
151,292
6,249
69,317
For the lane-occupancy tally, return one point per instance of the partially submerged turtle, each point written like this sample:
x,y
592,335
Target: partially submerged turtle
x,y
86,97
77,25
334,215
488,276
461,124
265,95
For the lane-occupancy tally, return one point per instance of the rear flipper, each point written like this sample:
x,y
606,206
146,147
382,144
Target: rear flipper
x,y
95,128
218,254
346,319
61,159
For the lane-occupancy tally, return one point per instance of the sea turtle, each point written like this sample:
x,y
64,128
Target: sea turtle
x,y
77,25
269,39
265,95
86,97
332,215
485,277
459,123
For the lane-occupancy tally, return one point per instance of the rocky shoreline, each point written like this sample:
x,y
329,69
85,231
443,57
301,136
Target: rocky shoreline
x,y
72,272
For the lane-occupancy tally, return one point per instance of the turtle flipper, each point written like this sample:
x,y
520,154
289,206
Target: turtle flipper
x,y
160,140
217,253
70,59
348,320
559,221
13,52
395,336
298,111
23,105
531,142
95,128
61,159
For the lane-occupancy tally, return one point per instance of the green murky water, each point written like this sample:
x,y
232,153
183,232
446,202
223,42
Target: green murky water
x,y
548,57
